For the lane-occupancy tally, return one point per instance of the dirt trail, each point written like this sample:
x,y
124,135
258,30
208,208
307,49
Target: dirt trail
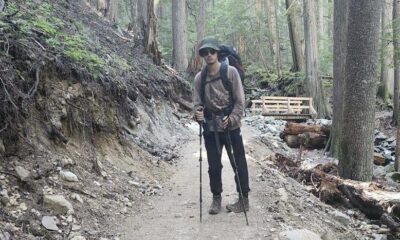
x,y
175,214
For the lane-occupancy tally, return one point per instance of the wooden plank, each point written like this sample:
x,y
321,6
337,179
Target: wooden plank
x,y
283,107
280,98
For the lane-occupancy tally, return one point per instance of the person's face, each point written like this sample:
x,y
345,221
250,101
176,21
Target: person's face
x,y
210,55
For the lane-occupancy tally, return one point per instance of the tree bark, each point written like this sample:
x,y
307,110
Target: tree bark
x,y
396,59
298,128
132,26
141,19
179,56
274,35
1,5
356,143
151,34
339,67
312,80
386,53
397,155
112,12
196,60
321,23
294,20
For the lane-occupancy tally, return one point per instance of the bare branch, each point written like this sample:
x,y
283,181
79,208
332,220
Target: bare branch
x,y
38,43
33,90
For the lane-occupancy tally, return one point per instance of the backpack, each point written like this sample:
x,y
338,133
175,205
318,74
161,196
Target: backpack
x,y
230,53
226,53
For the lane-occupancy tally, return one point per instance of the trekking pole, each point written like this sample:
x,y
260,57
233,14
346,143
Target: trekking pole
x,y
232,157
200,160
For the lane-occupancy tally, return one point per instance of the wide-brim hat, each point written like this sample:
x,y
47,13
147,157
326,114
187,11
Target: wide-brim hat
x,y
209,42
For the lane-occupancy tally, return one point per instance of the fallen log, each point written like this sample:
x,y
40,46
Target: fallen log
x,y
292,141
298,128
369,197
313,140
309,140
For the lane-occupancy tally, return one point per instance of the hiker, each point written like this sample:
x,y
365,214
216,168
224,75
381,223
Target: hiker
x,y
219,106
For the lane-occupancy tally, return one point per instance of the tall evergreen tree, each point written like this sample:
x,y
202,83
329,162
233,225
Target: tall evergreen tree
x,y
179,55
356,143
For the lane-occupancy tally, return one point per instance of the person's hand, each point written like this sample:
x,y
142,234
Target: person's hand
x,y
199,115
226,122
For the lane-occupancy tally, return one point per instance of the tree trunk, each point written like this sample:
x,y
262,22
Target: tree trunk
x,y
196,61
312,79
397,158
294,20
274,35
151,34
132,26
112,12
321,24
359,95
396,59
339,54
1,5
179,56
141,14
386,52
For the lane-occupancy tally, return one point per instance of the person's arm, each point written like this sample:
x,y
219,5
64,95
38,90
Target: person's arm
x,y
238,97
197,103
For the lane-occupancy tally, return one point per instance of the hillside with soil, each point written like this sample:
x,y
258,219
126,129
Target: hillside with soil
x,y
85,123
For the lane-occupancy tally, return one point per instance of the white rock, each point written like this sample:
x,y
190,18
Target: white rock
x,y
22,173
136,184
78,238
23,207
58,203
69,219
97,183
76,197
66,161
68,176
35,212
50,223
76,227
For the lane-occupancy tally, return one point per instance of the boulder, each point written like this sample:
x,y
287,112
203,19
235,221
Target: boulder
x,y
22,173
58,204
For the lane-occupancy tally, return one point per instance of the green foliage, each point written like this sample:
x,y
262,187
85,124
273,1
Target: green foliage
x,y
11,8
46,26
120,62
75,47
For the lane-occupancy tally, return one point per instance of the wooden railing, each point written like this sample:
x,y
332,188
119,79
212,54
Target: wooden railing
x,y
284,107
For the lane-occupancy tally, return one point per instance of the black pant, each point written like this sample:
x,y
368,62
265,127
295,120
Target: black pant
x,y
215,165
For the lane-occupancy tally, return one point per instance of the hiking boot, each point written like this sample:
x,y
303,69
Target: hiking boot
x,y
215,207
237,207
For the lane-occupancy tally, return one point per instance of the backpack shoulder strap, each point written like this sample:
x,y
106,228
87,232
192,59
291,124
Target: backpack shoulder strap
x,y
223,71
203,83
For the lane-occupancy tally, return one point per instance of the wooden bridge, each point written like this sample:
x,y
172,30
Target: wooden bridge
x,y
285,107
